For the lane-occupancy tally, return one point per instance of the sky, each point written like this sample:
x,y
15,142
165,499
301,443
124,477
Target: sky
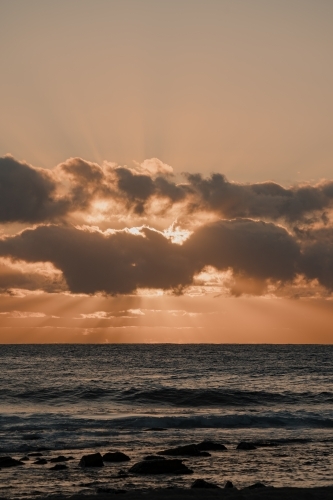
x,y
166,171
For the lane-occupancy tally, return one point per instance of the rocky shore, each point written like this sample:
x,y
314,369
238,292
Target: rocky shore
x,y
325,493
168,463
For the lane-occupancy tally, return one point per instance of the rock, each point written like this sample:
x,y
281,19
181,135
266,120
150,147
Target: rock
x,y
153,457
189,450
117,456
24,459
201,483
243,445
122,473
9,462
59,459
173,466
228,484
40,461
92,460
211,446
59,467
256,485
35,454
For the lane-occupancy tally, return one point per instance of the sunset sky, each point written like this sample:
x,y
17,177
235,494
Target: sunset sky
x,y
166,171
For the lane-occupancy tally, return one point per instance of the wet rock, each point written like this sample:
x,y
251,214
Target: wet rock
x,y
228,484
154,457
59,467
256,485
189,450
244,445
59,459
24,459
173,466
9,462
92,460
122,474
40,461
201,483
117,456
211,446
35,454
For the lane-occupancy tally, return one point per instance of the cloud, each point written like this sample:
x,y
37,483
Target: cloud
x,y
93,262
231,228
121,262
21,275
23,314
154,166
257,249
266,200
27,194
34,195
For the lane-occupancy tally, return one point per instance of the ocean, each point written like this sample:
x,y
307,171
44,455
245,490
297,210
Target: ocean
x,y
140,399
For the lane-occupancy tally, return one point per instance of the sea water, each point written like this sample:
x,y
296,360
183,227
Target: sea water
x,y
141,399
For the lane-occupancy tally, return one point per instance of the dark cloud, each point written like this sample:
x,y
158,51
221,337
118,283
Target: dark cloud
x,y
257,249
27,194
32,195
317,256
258,252
266,200
92,262
85,182
122,262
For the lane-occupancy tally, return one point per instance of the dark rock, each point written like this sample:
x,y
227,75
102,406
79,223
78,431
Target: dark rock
x,y
24,459
40,461
246,446
93,460
35,454
59,459
117,456
122,473
228,484
173,466
256,485
201,483
211,446
153,457
9,462
189,450
59,467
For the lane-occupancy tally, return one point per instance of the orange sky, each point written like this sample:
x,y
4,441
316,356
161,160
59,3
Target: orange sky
x,y
108,109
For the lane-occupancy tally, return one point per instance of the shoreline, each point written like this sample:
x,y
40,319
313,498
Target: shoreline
x,y
270,493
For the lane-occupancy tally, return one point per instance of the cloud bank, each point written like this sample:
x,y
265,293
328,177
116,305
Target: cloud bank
x,y
264,234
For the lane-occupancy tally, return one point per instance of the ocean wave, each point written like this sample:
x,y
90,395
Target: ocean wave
x,y
54,422
163,396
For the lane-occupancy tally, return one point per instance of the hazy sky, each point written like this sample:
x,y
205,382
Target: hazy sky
x,y
240,87
170,170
